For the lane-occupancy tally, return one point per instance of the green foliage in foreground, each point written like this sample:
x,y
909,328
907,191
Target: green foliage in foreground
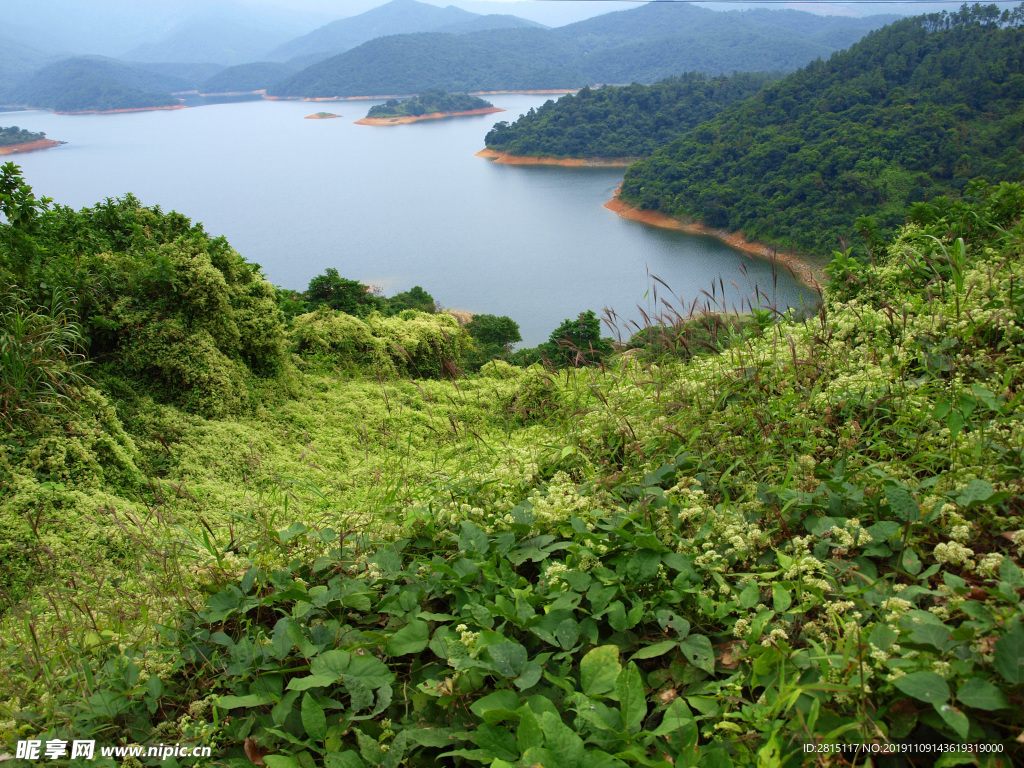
x,y
622,121
427,103
913,111
812,537
16,135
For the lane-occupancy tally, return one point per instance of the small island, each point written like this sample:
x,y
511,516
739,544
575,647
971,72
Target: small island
x,y
322,116
15,139
428,105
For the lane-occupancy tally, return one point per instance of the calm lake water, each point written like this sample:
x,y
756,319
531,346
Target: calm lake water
x,y
394,206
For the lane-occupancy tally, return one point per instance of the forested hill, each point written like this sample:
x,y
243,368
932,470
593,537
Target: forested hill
x,y
912,112
429,102
644,44
629,121
16,135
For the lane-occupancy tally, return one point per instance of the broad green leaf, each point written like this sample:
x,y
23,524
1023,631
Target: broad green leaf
x,y
567,633
975,492
497,741
472,539
676,716
251,700
530,675
312,681
954,718
698,651
981,694
599,669
529,734
629,692
926,686
1009,656
883,531
369,748
750,596
643,566
502,701
343,760
902,503
313,718
508,659
280,761
565,747
412,638
396,750
653,651
782,598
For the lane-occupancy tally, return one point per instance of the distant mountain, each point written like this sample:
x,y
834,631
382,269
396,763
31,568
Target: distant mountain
x,y
490,21
502,59
192,76
644,44
396,17
18,61
220,38
94,83
247,77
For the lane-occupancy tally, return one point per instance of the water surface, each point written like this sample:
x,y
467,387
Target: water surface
x,y
391,206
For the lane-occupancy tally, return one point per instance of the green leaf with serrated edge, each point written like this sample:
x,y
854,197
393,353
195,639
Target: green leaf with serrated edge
x,y
313,718
981,694
564,746
902,503
926,686
954,718
412,638
343,760
1009,655
698,651
629,692
369,748
653,651
599,669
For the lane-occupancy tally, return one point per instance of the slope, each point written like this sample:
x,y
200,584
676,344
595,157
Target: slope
x,y
912,112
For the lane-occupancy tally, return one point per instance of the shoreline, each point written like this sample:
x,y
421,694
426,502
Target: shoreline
x,y
322,116
118,111
802,269
504,158
404,95
406,119
29,146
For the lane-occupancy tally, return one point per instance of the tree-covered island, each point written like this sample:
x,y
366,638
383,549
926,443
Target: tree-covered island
x,y
15,135
428,104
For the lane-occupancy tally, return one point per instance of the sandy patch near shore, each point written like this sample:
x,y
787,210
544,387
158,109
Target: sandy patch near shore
x,y
504,158
29,146
802,269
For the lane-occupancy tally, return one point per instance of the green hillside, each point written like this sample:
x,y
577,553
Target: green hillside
x,y
15,135
506,59
247,77
316,542
427,103
94,83
617,121
913,112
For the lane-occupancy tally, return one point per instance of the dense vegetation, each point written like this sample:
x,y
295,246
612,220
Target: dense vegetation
x,y
92,83
617,122
645,44
428,103
809,533
912,112
247,77
16,135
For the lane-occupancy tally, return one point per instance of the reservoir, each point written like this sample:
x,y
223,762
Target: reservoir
x,y
395,207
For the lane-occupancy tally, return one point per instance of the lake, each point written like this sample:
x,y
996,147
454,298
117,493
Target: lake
x,y
392,206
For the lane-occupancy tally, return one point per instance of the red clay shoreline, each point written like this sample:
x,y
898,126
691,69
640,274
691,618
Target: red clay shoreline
x,y
801,268
406,119
29,146
504,158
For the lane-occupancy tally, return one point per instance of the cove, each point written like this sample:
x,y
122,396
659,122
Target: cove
x,y
407,206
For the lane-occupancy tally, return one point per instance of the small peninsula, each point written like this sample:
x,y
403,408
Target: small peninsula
x,y
321,116
428,105
15,140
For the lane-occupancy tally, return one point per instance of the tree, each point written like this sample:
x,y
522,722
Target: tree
x,y
336,292
576,342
